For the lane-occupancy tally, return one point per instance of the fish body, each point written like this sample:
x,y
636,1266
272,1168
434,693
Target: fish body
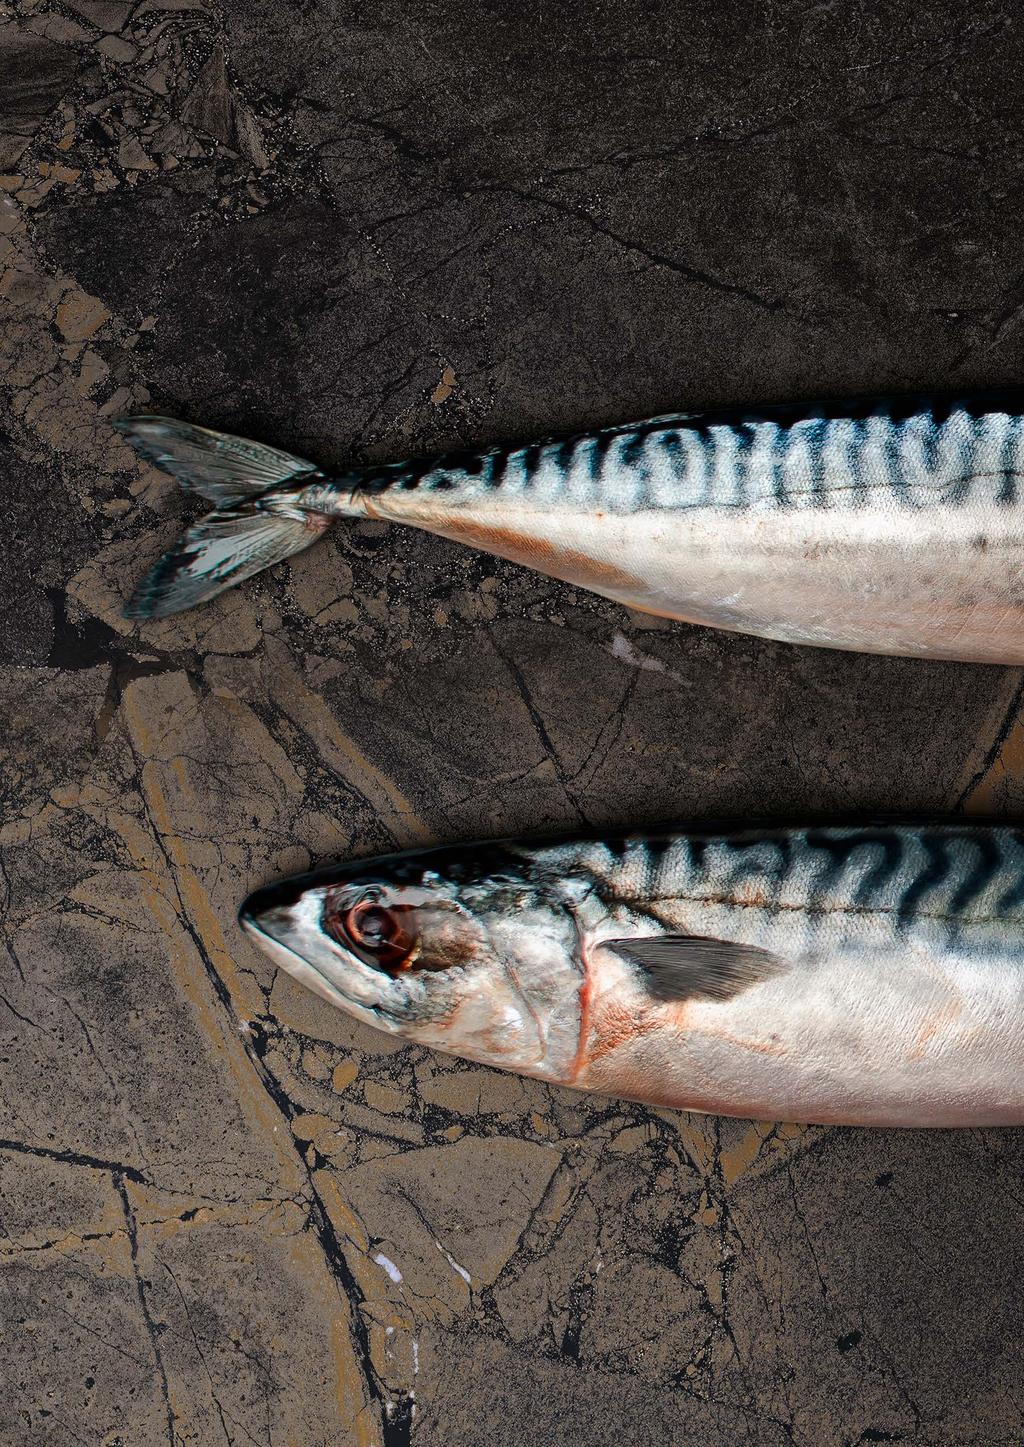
x,y
884,527
862,975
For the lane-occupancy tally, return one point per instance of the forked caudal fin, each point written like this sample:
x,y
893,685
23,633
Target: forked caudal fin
x,y
245,532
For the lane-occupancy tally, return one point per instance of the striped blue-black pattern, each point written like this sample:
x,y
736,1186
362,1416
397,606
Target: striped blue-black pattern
x,y
958,873
880,527
868,974
917,451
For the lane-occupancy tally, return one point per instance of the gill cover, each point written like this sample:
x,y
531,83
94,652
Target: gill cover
x,y
459,949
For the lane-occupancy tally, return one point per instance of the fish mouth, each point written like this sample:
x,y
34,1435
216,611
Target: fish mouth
x,y
265,915
270,917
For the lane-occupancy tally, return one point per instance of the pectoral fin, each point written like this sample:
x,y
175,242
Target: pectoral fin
x,y
691,967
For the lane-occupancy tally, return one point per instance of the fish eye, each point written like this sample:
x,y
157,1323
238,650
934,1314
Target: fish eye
x,y
370,925
378,933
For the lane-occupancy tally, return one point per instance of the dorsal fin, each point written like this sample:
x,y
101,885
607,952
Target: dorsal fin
x,y
693,967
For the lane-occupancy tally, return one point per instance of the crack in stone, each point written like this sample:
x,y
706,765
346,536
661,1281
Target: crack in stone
x,y
397,1430
79,1158
173,1436
999,738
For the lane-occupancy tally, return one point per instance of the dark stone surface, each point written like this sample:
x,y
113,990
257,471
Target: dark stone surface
x,y
34,74
362,233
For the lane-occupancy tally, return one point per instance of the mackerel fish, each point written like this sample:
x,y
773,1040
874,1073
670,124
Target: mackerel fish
x,y
883,527
869,975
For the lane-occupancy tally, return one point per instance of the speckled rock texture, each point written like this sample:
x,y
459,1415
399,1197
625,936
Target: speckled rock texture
x,y
359,231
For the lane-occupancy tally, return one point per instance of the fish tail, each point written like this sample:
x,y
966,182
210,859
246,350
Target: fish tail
x,y
254,522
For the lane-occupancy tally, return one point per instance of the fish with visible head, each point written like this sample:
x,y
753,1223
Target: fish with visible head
x,y
862,975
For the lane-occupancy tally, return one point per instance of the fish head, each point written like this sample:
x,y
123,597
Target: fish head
x,y
471,950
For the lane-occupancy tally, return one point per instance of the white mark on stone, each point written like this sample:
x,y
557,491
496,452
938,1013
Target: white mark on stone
x,y
389,1266
622,649
454,1264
